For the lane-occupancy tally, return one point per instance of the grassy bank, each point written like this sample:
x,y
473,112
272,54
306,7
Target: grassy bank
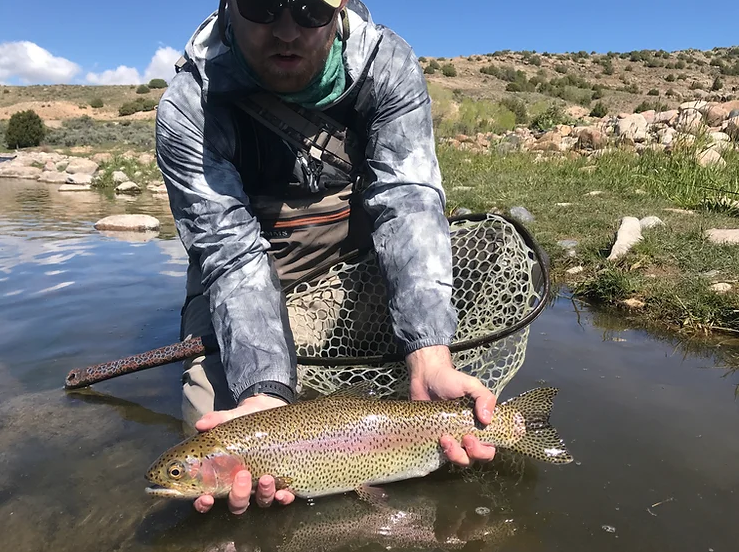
x,y
670,271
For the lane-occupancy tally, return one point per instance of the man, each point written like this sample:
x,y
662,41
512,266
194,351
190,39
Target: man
x,y
237,189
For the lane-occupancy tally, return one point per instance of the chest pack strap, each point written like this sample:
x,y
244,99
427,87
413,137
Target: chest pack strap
x,y
311,131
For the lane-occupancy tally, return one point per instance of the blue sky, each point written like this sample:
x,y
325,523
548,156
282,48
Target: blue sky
x,y
88,38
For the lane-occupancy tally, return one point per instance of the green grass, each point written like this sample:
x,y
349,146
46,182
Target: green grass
x,y
667,270
141,173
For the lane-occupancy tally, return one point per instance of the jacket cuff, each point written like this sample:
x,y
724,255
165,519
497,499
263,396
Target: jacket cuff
x,y
271,388
408,348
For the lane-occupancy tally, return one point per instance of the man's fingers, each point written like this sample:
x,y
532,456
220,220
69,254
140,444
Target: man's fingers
x,y
477,451
238,498
484,400
454,452
204,503
212,419
284,497
265,491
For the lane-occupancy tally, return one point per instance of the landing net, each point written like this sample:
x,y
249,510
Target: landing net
x,y
343,331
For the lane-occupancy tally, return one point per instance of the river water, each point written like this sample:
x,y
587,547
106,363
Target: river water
x,y
653,423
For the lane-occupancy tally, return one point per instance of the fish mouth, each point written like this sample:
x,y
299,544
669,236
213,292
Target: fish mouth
x,y
158,490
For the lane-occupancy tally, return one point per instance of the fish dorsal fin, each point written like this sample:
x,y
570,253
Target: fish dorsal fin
x,y
361,390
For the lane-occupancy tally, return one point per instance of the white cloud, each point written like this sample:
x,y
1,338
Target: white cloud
x,y
31,64
121,75
161,66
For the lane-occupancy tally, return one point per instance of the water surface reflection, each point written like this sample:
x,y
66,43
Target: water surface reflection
x,y
652,422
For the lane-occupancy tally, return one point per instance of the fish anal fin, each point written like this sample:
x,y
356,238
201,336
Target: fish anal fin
x,y
283,482
363,389
374,495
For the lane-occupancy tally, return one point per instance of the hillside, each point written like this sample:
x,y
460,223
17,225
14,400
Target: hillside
x,y
621,81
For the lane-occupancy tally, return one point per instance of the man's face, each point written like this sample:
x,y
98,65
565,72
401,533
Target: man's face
x,y
284,55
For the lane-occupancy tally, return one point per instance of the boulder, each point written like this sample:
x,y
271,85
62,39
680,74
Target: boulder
x,y
128,188
666,117
732,127
632,127
723,235
710,157
146,159
629,233
119,177
102,157
591,138
53,177
690,121
80,165
139,223
716,115
10,170
79,178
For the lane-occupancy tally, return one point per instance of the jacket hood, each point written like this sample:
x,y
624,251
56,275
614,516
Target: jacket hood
x,y
221,74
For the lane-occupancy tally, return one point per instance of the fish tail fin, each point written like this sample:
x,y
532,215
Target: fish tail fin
x,y
538,439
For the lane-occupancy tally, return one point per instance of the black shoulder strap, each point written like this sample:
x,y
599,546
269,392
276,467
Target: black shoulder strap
x,y
310,130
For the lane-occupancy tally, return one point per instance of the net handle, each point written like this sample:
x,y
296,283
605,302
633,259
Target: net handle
x,y
455,347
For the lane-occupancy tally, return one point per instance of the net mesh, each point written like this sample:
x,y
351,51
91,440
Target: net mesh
x,y
343,313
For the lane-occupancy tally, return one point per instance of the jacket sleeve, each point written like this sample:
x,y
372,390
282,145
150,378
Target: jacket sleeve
x,y
216,225
405,198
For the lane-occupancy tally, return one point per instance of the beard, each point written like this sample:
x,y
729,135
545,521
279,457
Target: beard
x,y
291,77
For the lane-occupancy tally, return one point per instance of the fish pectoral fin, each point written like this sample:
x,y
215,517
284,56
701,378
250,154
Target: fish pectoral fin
x,y
283,482
373,495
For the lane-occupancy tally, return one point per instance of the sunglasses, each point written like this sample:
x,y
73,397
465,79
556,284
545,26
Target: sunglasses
x,y
306,13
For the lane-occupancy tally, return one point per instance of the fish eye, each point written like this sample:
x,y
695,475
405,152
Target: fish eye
x,y
176,470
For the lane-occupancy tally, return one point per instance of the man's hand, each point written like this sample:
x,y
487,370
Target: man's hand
x,y
238,498
433,376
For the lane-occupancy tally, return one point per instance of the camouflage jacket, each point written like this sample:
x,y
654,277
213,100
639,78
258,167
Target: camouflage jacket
x,y
228,260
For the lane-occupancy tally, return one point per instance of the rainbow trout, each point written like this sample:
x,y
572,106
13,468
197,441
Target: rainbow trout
x,y
349,440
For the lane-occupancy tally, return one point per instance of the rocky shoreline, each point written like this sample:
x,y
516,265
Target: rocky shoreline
x,y
714,126
76,173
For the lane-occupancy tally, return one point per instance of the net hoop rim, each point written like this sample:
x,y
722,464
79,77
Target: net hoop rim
x,y
454,347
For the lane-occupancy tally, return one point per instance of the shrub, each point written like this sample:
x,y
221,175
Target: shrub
x,y
718,84
140,104
420,60
448,70
518,108
96,103
670,78
435,64
157,83
25,129
599,110
429,70
653,92
553,116
142,89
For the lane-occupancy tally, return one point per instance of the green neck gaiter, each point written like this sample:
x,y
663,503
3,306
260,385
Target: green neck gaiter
x,y
325,87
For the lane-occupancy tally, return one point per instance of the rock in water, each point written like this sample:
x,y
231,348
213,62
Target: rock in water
x,y
139,223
